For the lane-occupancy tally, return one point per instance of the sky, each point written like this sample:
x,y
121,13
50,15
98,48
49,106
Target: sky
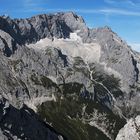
x,y
123,16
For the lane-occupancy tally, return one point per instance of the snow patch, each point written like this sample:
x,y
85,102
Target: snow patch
x,y
72,47
75,37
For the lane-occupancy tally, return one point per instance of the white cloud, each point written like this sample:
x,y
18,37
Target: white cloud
x,y
124,2
40,9
135,46
106,11
32,4
120,12
28,3
110,1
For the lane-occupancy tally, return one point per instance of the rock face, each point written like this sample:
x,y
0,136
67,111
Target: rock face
x,y
33,29
75,79
13,123
131,130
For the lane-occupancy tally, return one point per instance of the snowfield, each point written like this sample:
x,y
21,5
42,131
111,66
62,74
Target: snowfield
x,y
72,47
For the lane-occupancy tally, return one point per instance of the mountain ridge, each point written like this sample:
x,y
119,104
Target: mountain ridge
x,y
57,66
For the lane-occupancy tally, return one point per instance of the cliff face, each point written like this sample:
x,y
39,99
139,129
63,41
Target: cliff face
x,y
23,124
131,130
70,75
38,27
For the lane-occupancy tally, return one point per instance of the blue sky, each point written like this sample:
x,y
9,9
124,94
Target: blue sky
x,y
123,16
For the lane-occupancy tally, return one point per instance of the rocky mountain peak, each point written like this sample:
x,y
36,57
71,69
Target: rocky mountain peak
x,y
32,29
74,78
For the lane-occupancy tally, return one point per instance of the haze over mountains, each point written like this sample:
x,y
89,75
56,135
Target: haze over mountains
x,y
61,80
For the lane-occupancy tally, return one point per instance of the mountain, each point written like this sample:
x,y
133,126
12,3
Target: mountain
x,y
131,130
61,80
